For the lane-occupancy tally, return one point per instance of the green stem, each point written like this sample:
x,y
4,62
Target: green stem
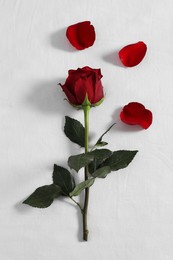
x,y
76,203
86,201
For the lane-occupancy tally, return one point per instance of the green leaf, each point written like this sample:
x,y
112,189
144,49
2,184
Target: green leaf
x,y
43,196
101,144
75,131
76,162
100,155
63,178
81,186
101,172
119,159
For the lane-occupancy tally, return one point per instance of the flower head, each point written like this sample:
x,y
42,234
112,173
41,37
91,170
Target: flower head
x,y
84,83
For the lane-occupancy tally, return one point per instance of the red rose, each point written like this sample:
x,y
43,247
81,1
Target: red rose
x,y
81,35
131,55
136,114
81,83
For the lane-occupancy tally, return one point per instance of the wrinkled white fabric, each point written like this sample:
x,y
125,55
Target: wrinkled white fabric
x,y
131,211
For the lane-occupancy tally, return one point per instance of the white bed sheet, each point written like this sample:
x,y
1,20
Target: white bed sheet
x,y
131,211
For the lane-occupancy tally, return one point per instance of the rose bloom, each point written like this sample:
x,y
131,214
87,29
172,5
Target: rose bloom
x,y
135,113
81,83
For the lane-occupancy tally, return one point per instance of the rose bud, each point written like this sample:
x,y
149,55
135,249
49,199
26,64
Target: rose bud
x,y
131,55
81,35
136,114
84,83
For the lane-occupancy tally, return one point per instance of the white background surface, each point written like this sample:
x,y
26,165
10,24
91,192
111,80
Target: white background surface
x,y
131,211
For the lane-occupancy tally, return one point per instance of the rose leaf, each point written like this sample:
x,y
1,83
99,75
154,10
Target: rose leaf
x,y
119,159
75,131
64,179
81,186
43,196
76,162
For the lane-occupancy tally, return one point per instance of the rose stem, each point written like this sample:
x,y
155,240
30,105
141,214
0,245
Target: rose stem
x,y
85,209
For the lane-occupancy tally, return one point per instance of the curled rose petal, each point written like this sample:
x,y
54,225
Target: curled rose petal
x,y
136,114
81,35
131,55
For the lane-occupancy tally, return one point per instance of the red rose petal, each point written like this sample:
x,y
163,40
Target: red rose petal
x,y
71,34
146,119
86,34
136,114
69,95
83,87
81,35
131,55
99,94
